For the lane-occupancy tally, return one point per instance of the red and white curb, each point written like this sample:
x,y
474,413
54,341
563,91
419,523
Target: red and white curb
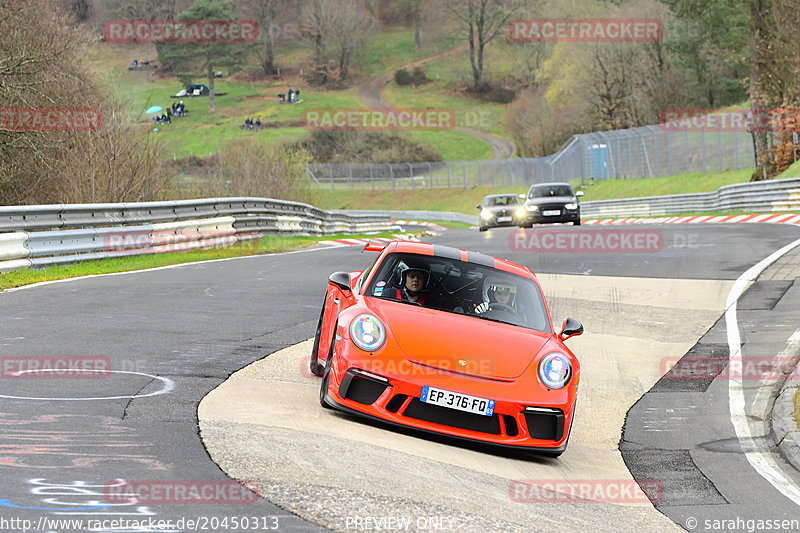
x,y
784,218
361,242
431,225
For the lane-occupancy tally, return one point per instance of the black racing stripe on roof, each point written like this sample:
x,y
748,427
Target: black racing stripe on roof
x,y
480,259
446,252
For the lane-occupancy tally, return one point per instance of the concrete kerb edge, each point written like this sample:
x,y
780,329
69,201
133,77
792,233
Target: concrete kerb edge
x,y
783,425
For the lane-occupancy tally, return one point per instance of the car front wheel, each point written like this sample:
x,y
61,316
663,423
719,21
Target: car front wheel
x,y
314,366
326,373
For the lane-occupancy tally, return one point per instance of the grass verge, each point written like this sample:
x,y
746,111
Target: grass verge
x,y
797,407
268,244
683,184
463,200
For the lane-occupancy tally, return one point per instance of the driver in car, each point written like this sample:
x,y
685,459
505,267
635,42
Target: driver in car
x,y
412,282
500,292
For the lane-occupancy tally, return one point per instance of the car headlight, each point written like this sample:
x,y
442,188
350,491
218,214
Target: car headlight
x,y
486,214
520,212
531,207
571,206
555,370
367,332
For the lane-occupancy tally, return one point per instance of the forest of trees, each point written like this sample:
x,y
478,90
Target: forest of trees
x,y
715,53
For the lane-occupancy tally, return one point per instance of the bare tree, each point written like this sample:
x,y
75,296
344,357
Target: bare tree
x,y
349,27
316,17
272,17
482,21
42,67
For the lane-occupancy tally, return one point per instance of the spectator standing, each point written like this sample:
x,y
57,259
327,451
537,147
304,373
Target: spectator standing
x,y
297,96
291,96
258,124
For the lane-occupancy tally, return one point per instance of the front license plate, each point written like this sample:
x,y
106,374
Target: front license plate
x,y
551,213
455,400
504,219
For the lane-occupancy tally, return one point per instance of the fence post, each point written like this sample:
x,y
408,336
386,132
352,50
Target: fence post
x,y
371,176
686,140
391,175
330,171
430,170
448,173
703,147
350,170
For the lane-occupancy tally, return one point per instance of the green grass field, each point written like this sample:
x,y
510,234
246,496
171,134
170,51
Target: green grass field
x,y
201,133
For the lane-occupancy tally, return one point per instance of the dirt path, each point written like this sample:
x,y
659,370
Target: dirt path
x,y
371,94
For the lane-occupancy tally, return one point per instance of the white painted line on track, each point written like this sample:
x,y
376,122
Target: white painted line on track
x,y
760,459
168,386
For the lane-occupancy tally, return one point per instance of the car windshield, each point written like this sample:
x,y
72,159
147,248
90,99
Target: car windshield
x,y
463,288
493,201
543,191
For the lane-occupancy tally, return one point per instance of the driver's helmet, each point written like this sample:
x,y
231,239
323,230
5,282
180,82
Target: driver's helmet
x,y
405,268
494,284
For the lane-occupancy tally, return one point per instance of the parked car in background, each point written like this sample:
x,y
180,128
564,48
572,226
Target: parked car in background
x,y
500,210
546,203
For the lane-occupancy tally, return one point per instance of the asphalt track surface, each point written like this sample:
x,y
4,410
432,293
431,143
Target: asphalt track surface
x,y
172,335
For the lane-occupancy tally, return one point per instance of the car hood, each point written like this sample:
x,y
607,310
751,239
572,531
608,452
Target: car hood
x,y
551,200
509,208
464,344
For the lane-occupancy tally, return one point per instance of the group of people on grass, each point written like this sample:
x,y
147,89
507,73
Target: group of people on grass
x,y
249,124
294,97
175,110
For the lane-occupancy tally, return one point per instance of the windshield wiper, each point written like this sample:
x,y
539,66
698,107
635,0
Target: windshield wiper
x,y
494,320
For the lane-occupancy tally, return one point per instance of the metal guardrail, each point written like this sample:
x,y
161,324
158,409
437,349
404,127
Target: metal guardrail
x,y
53,234
764,196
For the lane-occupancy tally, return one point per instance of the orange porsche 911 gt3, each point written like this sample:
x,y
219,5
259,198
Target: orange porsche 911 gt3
x,y
451,342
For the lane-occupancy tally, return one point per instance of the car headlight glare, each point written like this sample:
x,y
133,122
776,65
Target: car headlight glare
x,y
555,370
486,214
367,332
571,206
520,212
531,207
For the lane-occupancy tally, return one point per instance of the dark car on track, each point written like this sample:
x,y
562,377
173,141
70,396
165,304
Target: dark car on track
x,y
547,203
500,210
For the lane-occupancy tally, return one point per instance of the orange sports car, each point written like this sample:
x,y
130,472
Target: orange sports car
x,y
451,342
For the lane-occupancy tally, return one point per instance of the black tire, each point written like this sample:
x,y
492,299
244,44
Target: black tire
x,y
313,363
577,223
481,228
326,373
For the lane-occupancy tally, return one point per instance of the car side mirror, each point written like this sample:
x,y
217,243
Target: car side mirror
x,y
579,193
571,328
341,280
478,206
